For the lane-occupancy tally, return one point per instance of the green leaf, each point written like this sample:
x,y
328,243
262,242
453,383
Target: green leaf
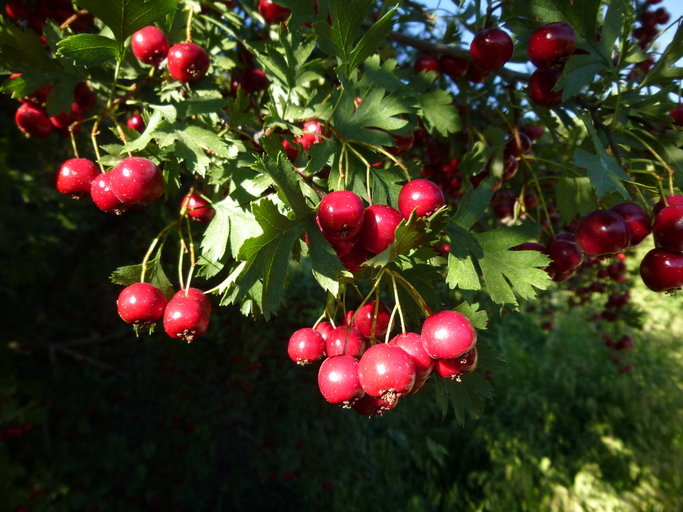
x,y
88,49
612,26
338,38
372,39
478,317
579,71
155,275
666,64
280,169
604,172
575,196
475,159
462,273
468,395
231,224
326,264
439,113
474,204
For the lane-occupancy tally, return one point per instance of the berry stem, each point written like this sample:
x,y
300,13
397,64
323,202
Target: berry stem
x,y
388,155
120,131
148,255
188,27
73,142
397,306
193,262
367,172
93,137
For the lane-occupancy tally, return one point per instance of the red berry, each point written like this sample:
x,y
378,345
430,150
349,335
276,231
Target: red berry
x,y
141,304
637,221
365,316
454,67
62,121
541,84
662,16
668,228
198,208
338,380
341,214
324,328
529,246
677,115
313,131
344,340
16,10
33,121
670,201
447,335
624,343
272,13
372,406
426,62
662,270
75,176
254,80
411,343
198,295
422,196
456,368
386,371
534,132
565,255
305,346
185,318
84,96
150,45
136,180
354,260
551,45
136,122
379,227
292,150
187,62
519,145
103,196
602,232
491,48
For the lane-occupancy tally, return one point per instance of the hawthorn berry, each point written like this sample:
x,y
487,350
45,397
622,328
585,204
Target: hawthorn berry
x,y
313,134
534,132
541,85
254,80
291,150
411,343
677,115
62,120
518,145
198,295
670,201
341,214
141,304
456,368
490,49
372,406
447,335
379,226
637,221
662,270
355,258
16,10
454,67
306,346
338,380
324,328
136,180
422,196
426,62
344,340
75,176
198,208
103,196
136,122
33,121
185,318
365,317
386,371
602,232
565,255
150,45
668,228
187,62
551,45
272,12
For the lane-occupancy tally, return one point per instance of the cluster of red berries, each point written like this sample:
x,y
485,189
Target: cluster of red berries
x,y
662,267
549,48
647,31
187,62
372,380
272,12
58,10
186,316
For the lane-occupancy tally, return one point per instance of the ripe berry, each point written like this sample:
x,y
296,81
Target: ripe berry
x,y
491,48
372,406
541,84
670,201
338,380
103,196
324,328
624,343
272,13
306,346
254,80
292,150
637,220
136,122
386,371
519,145
141,304
75,176
150,45
411,343
354,260
62,120
447,335
84,96
551,45
565,255
16,10
662,270
422,196
534,132
677,115
365,316
668,228
426,62
185,318
33,121
454,67
198,208
602,232
136,180
456,368
344,340
379,227
198,295
341,214
187,62
313,131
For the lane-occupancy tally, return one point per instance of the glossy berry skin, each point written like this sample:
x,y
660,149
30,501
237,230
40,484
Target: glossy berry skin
x,y
136,122
324,328
670,201
490,49
422,196
272,13
565,255
379,226
668,228
426,62
354,260
150,45
187,62
136,180
313,131
456,368
338,380
637,221
662,270
551,45
534,132
185,318
541,85
75,176
517,148
198,208
529,246
141,304
447,335
103,196
386,371
372,406
602,232
306,346
341,214
677,115
454,67
198,295
33,121
345,340
411,343
365,317
291,150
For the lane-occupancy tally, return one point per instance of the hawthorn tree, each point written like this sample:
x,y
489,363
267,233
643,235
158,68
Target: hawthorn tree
x,y
425,182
